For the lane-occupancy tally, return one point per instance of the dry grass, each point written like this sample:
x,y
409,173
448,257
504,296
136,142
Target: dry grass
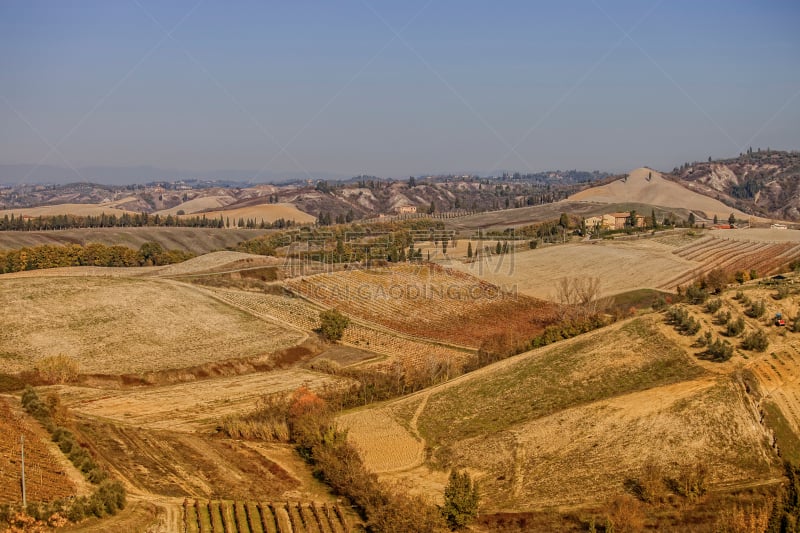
x,y
569,424
218,262
66,209
192,406
265,212
384,444
621,266
196,240
656,191
119,325
625,358
584,453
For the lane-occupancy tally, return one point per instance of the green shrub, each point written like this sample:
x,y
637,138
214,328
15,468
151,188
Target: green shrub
x,y
78,510
756,309
720,350
734,327
28,395
60,434
65,445
97,475
756,341
722,317
682,320
781,292
696,294
332,324
712,306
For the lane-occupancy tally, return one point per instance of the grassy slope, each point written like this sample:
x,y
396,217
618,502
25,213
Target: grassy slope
x,y
569,424
568,375
197,240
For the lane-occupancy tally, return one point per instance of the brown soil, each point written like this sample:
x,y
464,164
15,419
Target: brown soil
x,y
179,464
49,475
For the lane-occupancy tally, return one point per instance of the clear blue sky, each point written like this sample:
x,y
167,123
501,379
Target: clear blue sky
x,y
396,88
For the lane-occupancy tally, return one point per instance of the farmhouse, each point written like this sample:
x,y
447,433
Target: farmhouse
x,y
621,220
613,221
405,209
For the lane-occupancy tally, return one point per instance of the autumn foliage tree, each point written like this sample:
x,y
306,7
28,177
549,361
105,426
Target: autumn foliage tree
x,y
309,419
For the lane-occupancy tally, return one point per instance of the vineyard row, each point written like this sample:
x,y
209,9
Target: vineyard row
x,y
262,517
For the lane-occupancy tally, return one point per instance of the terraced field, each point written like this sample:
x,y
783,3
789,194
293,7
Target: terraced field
x,y
223,516
305,316
46,473
429,301
731,255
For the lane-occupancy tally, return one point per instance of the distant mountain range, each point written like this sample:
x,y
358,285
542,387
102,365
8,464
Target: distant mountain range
x,y
108,175
763,183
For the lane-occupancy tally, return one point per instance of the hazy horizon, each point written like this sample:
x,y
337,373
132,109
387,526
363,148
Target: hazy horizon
x,y
317,90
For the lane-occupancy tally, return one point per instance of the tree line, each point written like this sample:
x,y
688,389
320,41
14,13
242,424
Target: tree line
x,y
137,220
92,254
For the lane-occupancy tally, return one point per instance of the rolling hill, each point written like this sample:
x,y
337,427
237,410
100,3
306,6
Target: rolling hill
x,y
196,240
568,424
765,183
647,186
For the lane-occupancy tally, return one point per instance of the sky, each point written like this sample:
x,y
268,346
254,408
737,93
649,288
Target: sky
x,y
393,89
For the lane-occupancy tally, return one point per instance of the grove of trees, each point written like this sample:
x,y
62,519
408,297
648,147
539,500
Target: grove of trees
x,y
93,254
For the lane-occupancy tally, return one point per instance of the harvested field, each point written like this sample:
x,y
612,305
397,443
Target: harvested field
x,y
66,209
621,266
193,406
305,316
265,212
124,325
429,301
48,473
384,444
658,263
206,264
345,355
732,255
196,240
760,234
186,465
218,262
